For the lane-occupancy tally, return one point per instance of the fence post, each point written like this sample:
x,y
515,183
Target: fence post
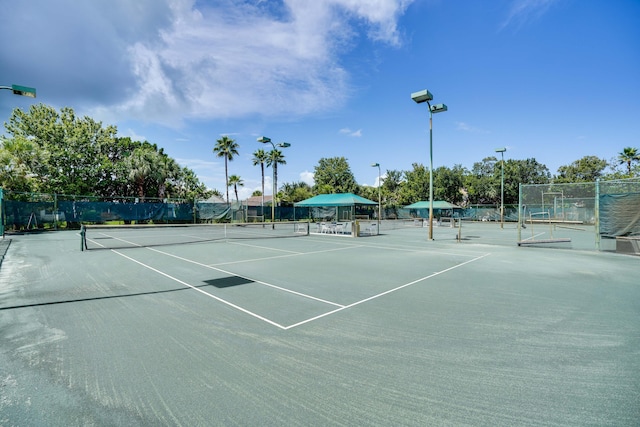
x,y
597,214
1,213
55,211
520,219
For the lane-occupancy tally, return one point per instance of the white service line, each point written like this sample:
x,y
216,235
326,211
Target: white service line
x,y
340,306
203,292
281,256
245,277
112,237
262,247
387,292
533,237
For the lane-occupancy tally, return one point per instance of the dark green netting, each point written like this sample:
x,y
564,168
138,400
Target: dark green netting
x,y
620,214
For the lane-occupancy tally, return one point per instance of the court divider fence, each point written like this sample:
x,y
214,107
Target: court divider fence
x,y
608,209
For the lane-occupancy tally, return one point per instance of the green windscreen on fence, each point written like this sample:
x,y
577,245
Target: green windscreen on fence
x,y
560,211
620,214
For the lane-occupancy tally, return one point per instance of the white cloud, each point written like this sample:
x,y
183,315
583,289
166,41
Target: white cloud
x,y
379,181
133,135
523,11
468,128
347,131
231,60
307,177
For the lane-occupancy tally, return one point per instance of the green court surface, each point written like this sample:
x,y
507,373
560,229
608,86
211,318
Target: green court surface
x,y
320,330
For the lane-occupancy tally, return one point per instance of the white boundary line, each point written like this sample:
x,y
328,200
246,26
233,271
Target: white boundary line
x,y
534,236
244,277
437,273
276,256
340,306
203,292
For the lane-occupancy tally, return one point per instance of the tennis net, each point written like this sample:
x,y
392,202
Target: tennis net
x,y
138,235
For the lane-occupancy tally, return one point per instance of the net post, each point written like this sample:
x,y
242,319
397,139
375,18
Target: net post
x,y
83,235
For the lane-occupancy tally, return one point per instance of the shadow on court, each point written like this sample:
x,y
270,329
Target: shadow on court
x,y
224,282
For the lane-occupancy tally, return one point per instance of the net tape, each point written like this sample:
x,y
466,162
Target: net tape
x,y
136,236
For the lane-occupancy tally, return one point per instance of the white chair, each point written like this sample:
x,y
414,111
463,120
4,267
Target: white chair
x,y
372,229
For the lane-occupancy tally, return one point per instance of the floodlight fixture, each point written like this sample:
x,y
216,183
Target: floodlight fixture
x,y
21,90
437,108
264,139
500,150
422,96
283,145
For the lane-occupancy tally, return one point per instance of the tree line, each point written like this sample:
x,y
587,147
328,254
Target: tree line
x,y
57,152
482,184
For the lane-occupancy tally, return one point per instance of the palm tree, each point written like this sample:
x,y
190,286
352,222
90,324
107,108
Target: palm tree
x,y
227,148
628,156
275,157
260,157
166,170
140,166
236,181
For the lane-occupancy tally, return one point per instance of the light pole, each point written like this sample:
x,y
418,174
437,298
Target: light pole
x,y
420,97
266,140
501,151
21,90
379,196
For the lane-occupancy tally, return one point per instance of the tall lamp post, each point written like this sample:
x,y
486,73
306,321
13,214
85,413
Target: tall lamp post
x,y
379,195
22,91
501,151
420,97
266,140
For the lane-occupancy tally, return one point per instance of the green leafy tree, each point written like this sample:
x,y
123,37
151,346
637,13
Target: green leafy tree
x,y
448,184
516,172
72,147
57,152
323,189
391,186
368,192
228,148
18,158
333,175
586,169
295,192
416,185
629,156
481,184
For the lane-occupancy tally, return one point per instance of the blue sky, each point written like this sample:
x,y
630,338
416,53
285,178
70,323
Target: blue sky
x,y
553,80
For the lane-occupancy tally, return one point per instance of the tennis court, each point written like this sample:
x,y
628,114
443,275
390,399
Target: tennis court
x,y
391,329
